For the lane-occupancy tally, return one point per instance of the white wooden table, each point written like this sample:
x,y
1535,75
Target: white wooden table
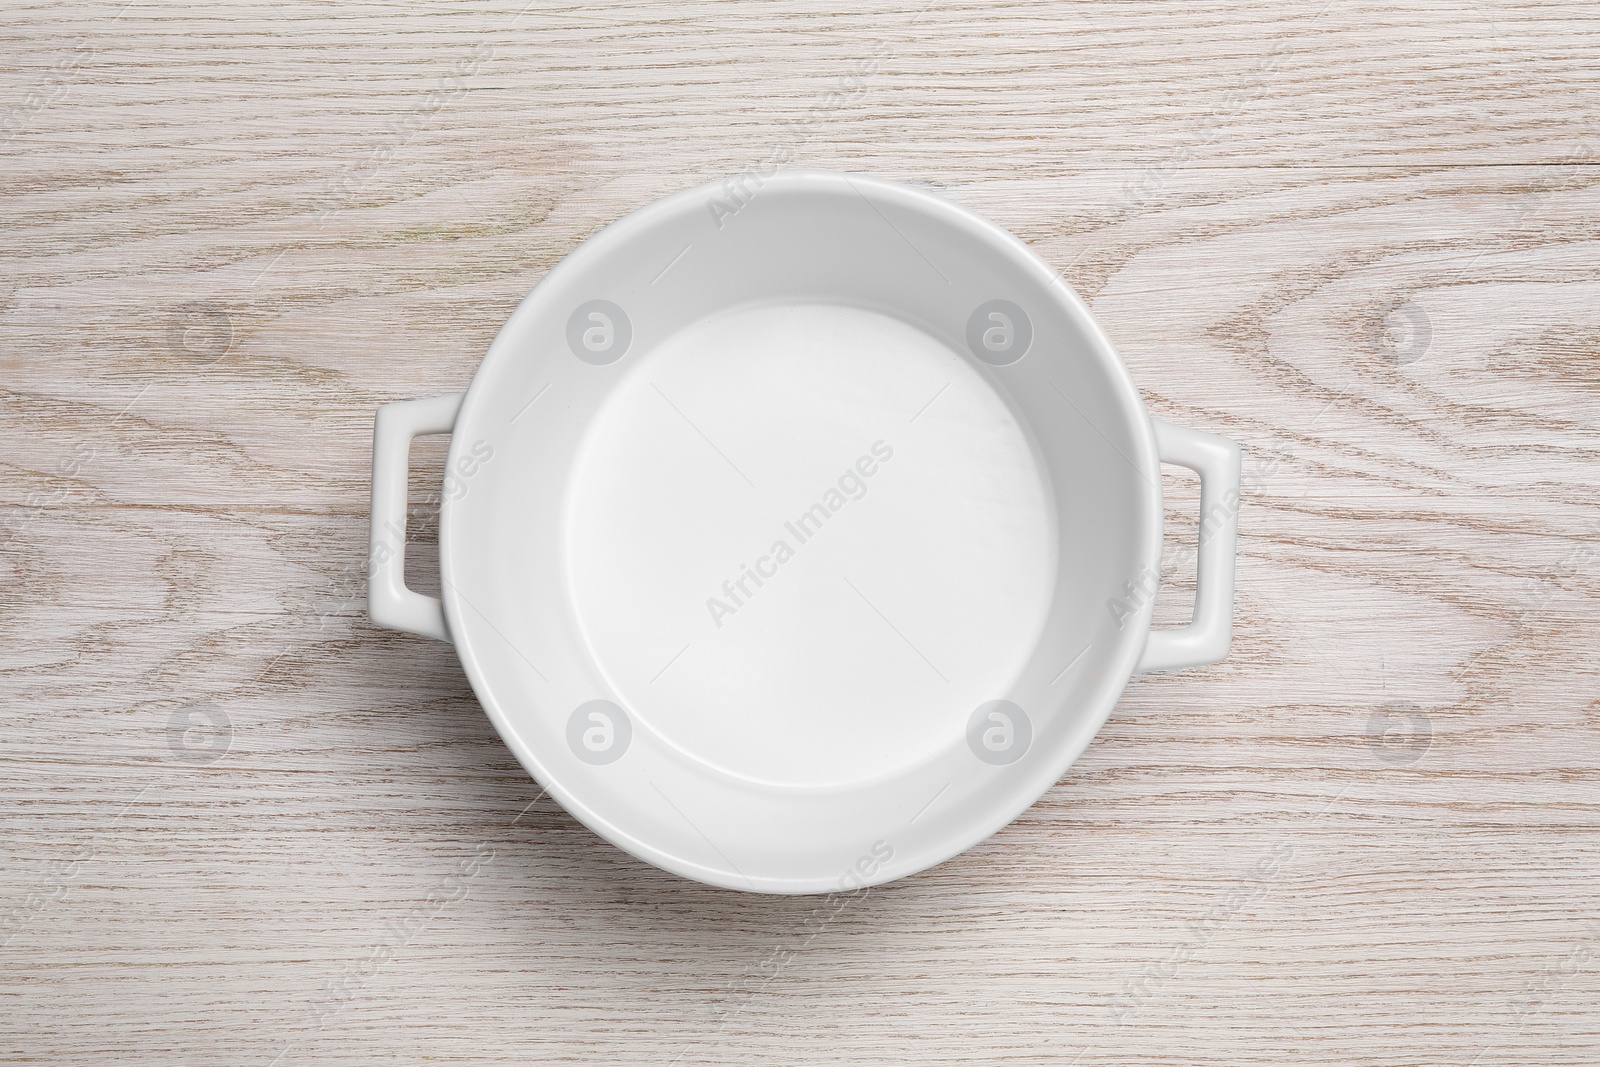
x,y
241,826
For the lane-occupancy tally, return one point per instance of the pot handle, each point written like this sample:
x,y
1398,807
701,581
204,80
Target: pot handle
x,y
1206,638
389,603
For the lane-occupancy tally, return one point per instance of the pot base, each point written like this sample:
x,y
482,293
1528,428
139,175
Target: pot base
x,y
806,540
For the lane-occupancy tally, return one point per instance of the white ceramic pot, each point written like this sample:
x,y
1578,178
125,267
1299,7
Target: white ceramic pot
x,y
799,531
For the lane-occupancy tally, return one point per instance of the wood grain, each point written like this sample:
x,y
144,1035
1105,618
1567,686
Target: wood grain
x,y
1359,237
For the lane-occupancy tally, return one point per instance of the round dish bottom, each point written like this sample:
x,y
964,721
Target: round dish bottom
x,y
805,541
